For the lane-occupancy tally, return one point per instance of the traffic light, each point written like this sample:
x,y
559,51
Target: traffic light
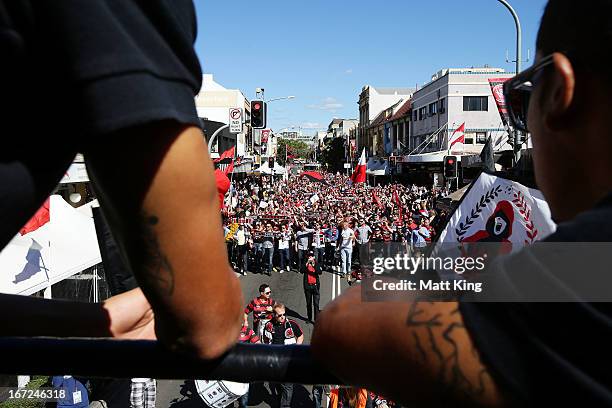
x,y
271,162
450,167
258,114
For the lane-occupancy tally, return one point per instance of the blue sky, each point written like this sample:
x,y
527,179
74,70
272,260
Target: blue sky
x,y
324,52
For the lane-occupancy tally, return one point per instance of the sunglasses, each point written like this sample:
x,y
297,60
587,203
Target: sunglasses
x,y
268,292
279,314
517,92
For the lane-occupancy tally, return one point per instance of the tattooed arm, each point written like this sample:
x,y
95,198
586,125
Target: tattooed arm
x,y
419,353
158,193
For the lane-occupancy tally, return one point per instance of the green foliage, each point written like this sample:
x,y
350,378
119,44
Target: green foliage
x,y
297,148
332,155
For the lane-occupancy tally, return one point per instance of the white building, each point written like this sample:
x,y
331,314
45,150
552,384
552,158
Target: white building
x,y
341,127
214,102
372,102
451,98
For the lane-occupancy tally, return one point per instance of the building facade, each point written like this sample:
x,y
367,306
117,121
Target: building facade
x,y
213,103
454,97
372,103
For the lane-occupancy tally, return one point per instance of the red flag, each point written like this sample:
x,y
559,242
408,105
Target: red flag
x,y
229,153
458,136
39,219
359,175
229,168
376,200
397,201
223,184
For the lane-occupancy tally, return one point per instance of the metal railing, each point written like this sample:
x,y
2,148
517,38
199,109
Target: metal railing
x,y
427,141
110,358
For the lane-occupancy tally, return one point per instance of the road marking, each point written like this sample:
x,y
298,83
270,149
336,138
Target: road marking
x,y
333,294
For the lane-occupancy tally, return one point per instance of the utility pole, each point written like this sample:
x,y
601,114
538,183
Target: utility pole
x,y
517,134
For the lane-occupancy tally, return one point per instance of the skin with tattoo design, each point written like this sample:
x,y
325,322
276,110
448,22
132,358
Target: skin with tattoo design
x,y
421,352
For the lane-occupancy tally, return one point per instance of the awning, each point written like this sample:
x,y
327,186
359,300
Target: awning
x,y
377,167
243,167
433,157
265,169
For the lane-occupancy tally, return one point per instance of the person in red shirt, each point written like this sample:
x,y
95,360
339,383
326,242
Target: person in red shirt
x,y
312,286
261,307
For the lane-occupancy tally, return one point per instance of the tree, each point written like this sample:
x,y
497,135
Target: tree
x,y
297,148
333,155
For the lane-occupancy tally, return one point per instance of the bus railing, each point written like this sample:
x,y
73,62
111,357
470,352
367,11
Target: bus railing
x,y
111,358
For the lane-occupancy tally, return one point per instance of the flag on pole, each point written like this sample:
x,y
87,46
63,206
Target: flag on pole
x,y
397,201
229,168
39,219
359,175
376,200
229,153
458,137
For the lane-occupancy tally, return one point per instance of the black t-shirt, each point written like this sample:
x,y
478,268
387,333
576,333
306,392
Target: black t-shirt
x,y
551,354
74,71
281,331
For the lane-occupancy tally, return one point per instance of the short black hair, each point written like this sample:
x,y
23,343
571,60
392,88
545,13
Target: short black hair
x,y
263,287
582,30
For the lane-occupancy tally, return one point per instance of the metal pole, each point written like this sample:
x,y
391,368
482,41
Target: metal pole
x,y
517,135
211,141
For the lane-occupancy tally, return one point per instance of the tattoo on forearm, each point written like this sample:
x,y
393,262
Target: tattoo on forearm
x,y
435,339
157,271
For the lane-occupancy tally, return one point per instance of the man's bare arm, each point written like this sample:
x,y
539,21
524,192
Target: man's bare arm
x,y
157,190
418,353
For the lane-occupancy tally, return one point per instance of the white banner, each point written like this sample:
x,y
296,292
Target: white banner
x,y
62,247
499,210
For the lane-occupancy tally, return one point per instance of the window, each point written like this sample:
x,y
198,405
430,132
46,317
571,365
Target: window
x,y
423,112
481,137
442,107
469,139
475,103
416,113
432,109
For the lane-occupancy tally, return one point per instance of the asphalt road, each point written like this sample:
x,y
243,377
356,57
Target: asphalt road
x,y
286,288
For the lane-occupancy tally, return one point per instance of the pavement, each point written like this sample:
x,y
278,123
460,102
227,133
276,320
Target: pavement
x,y
286,288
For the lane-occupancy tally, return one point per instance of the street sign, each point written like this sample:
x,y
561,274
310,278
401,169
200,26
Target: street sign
x,y
347,165
235,120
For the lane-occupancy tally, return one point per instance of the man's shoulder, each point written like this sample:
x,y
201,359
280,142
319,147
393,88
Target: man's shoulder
x,y
593,225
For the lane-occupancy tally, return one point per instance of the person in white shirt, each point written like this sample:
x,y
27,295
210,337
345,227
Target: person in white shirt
x,y
283,249
318,243
243,254
347,240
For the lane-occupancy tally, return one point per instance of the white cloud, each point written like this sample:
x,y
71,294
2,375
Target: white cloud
x,y
328,104
311,125
348,71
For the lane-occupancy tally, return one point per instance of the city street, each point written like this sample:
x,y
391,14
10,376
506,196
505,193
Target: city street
x,y
286,288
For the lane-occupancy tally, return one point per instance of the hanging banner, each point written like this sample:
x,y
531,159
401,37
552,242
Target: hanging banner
x,y
497,88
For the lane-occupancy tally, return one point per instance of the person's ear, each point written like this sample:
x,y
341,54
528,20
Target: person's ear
x,y
560,94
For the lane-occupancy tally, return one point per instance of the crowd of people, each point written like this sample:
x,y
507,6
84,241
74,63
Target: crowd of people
x,y
282,225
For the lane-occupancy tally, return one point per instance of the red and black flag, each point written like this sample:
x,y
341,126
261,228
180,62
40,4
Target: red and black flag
x,y
314,176
228,154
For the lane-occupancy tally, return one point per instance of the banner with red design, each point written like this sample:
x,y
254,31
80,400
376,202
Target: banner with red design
x,y
497,210
497,88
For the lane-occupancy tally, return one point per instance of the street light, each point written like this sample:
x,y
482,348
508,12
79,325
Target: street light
x,y
517,137
278,99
